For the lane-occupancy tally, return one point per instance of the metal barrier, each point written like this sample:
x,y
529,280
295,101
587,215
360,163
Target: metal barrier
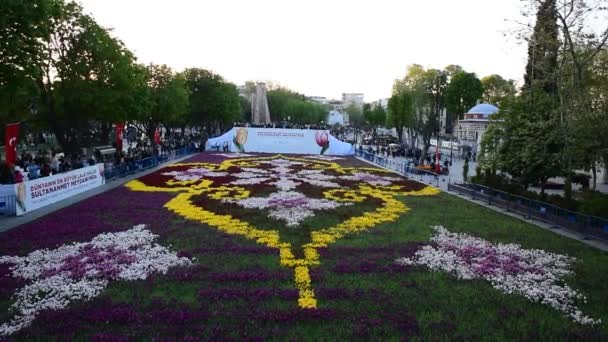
x,y
7,205
122,170
589,226
401,167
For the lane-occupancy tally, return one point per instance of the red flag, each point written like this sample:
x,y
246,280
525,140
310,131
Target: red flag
x,y
120,127
157,136
10,142
437,160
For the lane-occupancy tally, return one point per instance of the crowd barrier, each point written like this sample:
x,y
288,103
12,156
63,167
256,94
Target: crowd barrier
x,y
589,226
404,167
128,168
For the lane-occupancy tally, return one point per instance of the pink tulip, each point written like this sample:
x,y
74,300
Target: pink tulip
x,y
322,139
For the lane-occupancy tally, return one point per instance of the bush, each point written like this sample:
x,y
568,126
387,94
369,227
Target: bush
x,y
594,203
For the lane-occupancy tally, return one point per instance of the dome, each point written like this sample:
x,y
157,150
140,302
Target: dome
x,y
484,108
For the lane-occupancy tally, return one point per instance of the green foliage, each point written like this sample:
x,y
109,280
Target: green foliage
x,y
401,112
497,90
168,98
214,103
355,115
24,27
461,94
427,88
378,116
543,50
285,104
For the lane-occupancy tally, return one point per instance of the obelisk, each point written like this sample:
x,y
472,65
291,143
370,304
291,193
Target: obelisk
x,y
259,105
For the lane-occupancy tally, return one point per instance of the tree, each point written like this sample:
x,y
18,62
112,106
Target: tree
x,y
543,48
86,79
286,104
214,103
24,27
355,118
168,98
497,90
400,112
461,94
427,88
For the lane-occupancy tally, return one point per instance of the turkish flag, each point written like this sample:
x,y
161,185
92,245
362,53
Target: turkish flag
x,y
120,127
10,142
157,136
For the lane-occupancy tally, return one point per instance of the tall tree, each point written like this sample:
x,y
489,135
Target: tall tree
x,y
168,98
532,144
85,80
400,112
427,88
461,94
24,27
214,103
497,90
543,48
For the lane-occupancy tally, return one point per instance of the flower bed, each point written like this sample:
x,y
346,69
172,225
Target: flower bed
x,y
254,246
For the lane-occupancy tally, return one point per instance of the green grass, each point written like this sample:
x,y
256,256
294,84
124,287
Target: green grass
x,y
379,305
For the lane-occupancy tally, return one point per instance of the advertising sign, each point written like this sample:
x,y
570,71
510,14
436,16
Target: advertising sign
x,y
37,193
276,140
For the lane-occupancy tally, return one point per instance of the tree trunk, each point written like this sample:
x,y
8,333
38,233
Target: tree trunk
x,y
605,178
400,134
594,170
425,150
105,133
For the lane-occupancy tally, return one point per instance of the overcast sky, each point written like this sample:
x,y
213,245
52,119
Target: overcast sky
x,y
319,47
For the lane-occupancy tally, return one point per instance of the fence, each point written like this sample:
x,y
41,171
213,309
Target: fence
x,y
122,170
589,226
402,167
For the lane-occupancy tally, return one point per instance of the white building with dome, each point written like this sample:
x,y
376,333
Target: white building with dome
x,y
470,129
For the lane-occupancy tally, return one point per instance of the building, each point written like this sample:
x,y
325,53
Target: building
x,y
470,129
319,99
352,99
337,117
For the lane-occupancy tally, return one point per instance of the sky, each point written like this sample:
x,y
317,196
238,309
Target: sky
x,y
320,47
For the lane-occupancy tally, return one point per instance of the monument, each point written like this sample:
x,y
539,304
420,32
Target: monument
x,y
259,105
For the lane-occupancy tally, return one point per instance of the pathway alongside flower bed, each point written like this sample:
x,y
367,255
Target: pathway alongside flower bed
x,y
294,247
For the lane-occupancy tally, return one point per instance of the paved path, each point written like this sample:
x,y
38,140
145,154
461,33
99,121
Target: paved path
x,y
7,223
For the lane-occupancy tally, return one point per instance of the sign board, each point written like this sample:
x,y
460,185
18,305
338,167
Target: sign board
x,y
38,193
277,140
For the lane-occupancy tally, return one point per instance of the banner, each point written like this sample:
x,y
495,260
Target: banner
x,y
10,142
37,193
120,127
278,140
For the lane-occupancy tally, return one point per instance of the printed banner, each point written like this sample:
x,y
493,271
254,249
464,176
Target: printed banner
x,y
276,140
37,193
10,142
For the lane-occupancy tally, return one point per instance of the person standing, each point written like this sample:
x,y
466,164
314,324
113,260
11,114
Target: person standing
x,y
54,163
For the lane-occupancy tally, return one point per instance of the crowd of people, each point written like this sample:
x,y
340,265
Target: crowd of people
x,y
283,124
33,165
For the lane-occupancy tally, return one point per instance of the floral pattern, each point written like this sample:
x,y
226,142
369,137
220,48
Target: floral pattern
x,y
81,271
293,190
289,206
534,274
